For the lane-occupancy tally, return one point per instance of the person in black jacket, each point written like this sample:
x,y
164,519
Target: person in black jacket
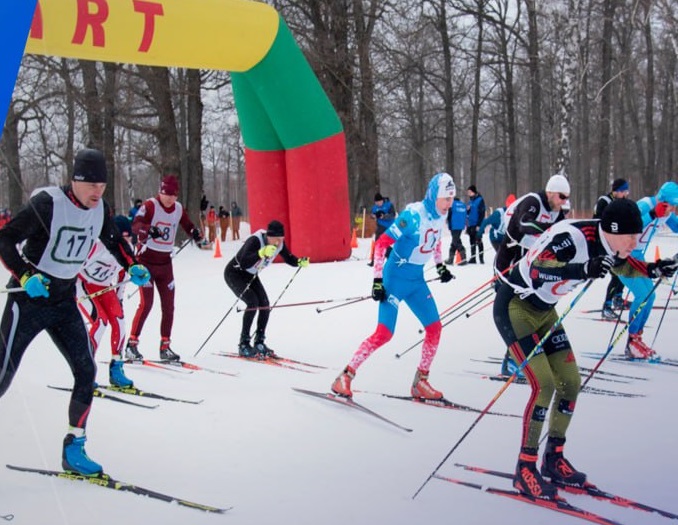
x,y
242,276
58,227
613,296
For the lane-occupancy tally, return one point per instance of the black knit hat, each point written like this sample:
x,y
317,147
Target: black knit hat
x,y
378,197
89,166
472,188
275,229
620,185
621,217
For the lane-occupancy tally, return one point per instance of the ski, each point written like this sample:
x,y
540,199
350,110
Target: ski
x,y
587,389
104,395
589,489
441,403
192,366
295,362
558,504
268,361
134,391
112,483
621,358
498,360
350,403
162,365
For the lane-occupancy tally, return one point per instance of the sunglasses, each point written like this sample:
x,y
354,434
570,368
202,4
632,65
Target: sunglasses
x,y
563,197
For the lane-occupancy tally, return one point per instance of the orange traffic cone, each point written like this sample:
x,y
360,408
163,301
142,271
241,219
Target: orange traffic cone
x,y
354,238
457,258
656,253
217,249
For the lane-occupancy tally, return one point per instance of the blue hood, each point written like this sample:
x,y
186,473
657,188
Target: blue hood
x,y
668,193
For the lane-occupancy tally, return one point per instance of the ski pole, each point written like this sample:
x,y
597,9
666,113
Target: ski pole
x,y
305,303
623,331
102,291
12,290
510,380
183,245
225,315
666,307
465,309
350,301
469,314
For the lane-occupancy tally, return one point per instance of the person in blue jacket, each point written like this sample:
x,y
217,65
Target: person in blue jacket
x,y
496,223
475,215
456,222
384,213
656,211
399,259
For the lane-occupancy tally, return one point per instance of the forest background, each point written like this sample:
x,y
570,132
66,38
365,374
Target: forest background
x,y
500,93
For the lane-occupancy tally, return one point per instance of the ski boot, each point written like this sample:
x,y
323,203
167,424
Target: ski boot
x,y
421,389
556,468
132,351
245,349
166,353
529,481
116,375
607,312
637,349
342,384
262,351
74,458
510,367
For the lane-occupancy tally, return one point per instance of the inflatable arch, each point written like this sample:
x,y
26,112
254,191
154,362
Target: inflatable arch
x,y
295,151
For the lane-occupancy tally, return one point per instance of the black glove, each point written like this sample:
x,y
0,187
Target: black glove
x,y
378,290
195,233
598,267
154,232
662,268
444,273
379,214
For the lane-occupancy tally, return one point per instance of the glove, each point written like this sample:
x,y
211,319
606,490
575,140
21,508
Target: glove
x,y
598,267
267,251
379,214
662,268
196,234
154,232
378,290
444,273
36,285
303,262
659,210
139,274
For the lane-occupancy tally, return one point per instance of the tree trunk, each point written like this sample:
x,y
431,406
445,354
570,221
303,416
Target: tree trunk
x,y
535,159
10,152
480,5
605,97
194,180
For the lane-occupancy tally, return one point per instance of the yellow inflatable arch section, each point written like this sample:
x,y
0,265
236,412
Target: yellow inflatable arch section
x,y
295,151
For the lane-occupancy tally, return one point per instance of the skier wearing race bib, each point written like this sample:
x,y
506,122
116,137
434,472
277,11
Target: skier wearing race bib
x,y
565,256
399,259
58,227
156,226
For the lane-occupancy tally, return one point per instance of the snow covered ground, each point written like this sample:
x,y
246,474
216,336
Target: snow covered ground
x,y
280,457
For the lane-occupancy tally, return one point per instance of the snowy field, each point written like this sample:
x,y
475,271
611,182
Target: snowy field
x,y
277,456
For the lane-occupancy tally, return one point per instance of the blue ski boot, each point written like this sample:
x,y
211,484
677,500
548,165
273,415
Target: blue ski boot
x,y
509,367
75,459
116,375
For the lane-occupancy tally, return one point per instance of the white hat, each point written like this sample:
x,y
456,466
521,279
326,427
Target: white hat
x,y
558,184
446,187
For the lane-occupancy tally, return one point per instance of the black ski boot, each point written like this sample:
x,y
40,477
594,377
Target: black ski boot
x,y
556,468
528,480
245,349
260,348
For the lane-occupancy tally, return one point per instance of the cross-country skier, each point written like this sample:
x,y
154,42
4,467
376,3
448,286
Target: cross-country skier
x,y
58,227
566,255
